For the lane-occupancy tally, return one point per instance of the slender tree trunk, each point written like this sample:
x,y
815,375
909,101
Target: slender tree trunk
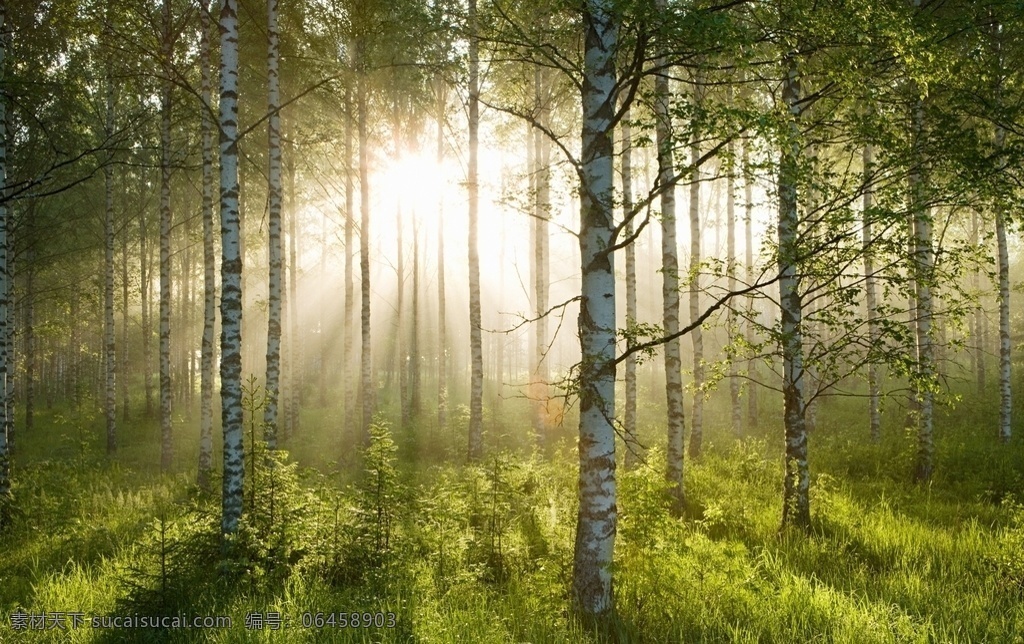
x,y
401,354
541,270
231,275
274,231
796,509
978,355
696,336
30,336
209,284
1005,391
442,314
874,388
730,269
350,190
597,514
144,283
124,324
296,369
109,357
476,406
748,222
670,287
364,260
415,398
166,445
5,276
634,451
923,266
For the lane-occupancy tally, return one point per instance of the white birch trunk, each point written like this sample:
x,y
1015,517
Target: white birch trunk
x,y
633,448
476,393
231,274
368,390
978,353
871,296
5,371
166,444
274,246
597,517
670,287
442,314
923,264
109,357
730,269
295,362
697,335
350,290
541,269
209,285
748,224
1005,391
147,332
796,499
415,396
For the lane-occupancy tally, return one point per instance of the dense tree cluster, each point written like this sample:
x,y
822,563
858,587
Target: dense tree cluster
x,y
868,155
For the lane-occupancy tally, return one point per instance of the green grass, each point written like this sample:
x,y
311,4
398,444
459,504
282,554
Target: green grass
x,y
484,554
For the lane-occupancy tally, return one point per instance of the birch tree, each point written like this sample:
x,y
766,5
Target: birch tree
x,y
5,371
871,296
796,500
109,357
697,335
476,394
209,285
597,514
166,52
632,444
231,274
273,230
669,280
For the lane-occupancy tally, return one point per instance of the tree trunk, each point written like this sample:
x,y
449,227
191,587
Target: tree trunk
x,y
541,269
414,331
796,510
442,315
349,385
5,276
30,335
923,263
597,514
295,361
1005,392
748,221
144,283
476,406
670,287
978,354
209,285
125,324
109,357
696,336
274,231
231,275
401,355
634,451
874,389
166,445
730,269
364,261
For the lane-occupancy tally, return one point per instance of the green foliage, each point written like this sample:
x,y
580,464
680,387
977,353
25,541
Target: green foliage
x,y
484,553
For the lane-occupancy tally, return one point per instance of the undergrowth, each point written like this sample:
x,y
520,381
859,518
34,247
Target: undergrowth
x,y
440,552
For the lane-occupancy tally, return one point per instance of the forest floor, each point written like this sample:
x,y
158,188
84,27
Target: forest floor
x,y
401,547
